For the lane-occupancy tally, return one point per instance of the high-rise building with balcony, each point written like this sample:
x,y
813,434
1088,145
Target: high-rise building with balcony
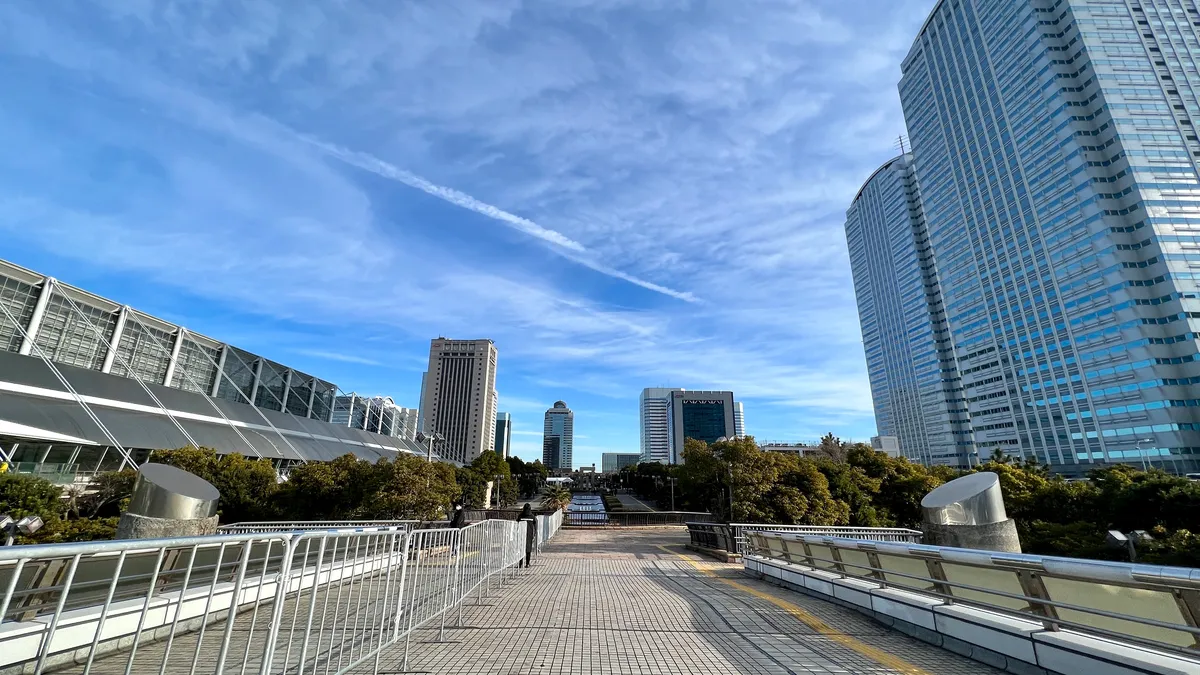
x,y
558,439
1055,145
459,397
739,419
910,358
655,436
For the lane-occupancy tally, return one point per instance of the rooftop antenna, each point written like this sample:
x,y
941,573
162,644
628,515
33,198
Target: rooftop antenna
x,y
902,143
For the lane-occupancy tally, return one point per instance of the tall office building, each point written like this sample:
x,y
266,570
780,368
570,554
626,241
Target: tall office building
x,y
739,419
503,434
656,436
421,404
1056,150
703,415
459,397
559,437
910,359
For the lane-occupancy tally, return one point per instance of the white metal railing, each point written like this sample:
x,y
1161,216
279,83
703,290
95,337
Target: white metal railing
x,y
548,526
308,601
901,534
1147,604
293,525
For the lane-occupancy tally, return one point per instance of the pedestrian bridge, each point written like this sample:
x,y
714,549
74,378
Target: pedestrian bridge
x,y
390,598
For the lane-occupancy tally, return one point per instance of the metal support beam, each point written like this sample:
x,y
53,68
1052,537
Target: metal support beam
x,y
35,321
287,389
180,336
220,370
312,396
114,342
258,367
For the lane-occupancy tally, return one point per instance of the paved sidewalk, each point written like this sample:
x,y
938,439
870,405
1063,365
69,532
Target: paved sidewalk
x,y
631,503
632,602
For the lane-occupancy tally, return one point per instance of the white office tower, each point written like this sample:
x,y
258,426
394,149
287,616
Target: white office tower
x,y
459,397
656,440
739,419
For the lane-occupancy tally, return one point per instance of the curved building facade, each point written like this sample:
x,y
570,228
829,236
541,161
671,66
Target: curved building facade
x,y
1056,149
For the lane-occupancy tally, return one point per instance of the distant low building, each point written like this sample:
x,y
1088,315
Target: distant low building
x,y
800,449
887,444
612,462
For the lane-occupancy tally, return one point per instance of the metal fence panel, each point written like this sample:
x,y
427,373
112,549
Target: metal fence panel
x,y
319,600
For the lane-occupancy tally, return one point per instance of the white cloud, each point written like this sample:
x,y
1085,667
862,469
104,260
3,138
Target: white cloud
x,y
703,154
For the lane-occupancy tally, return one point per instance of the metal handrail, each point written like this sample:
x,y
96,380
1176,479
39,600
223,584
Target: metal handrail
x,y
1121,588
293,525
322,599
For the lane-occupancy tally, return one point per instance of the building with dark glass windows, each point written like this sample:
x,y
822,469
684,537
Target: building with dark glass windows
x,y
503,434
1057,151
703,415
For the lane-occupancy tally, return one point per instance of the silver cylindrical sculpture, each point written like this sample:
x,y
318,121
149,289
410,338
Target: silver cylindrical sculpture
x,y
968,512
169,502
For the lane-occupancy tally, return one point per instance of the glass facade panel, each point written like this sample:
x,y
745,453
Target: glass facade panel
x,y
146,350
272,386
238,382
196,367
704,421
71,338
19,299
322,401
299,394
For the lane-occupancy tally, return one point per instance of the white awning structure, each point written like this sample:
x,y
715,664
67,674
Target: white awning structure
x,y
27,432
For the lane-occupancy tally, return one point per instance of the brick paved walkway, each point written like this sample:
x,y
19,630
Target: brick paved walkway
x,y
629,602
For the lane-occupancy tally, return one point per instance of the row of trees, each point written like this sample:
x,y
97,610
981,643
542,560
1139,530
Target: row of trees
x,y
344,489
848,484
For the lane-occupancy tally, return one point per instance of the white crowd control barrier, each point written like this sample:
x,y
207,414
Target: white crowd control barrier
x,y
548,526
312,601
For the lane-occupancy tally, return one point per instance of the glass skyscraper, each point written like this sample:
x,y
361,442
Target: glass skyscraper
x,y
558,438
910,361
1055,146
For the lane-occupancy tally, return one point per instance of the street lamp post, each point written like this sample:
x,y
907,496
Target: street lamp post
x,y
1139,450
428,440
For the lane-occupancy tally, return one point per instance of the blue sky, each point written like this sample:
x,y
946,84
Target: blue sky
x,y
620,193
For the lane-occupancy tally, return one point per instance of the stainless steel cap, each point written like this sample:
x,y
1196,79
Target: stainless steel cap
x,y
163,491
971,500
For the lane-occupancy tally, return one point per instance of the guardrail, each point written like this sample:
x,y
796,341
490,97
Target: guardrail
x,y
1145,604
325,600
635,518
732,537
901,534
294,525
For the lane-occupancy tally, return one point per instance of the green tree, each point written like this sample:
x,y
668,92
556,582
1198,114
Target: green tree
x,y
248,487
24,495
555,497
411,487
